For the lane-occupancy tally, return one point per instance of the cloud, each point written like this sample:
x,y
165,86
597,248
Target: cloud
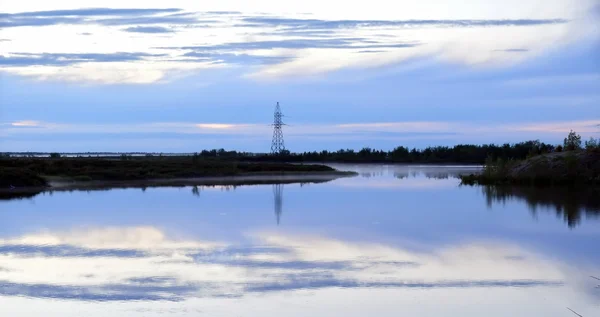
x,y
274,45
586,126
338,24
215,126
223,12
24,250
231,58
148,29
89,12
184,20
62,59
128,128
365,130
313,283
96,293
101,16
86,265
26,123
513,50
353,43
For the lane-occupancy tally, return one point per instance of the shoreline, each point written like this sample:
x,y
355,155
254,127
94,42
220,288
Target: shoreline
x,y
259,178
571,168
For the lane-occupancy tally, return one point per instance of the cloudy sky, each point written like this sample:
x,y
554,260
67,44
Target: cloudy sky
x,y
181,76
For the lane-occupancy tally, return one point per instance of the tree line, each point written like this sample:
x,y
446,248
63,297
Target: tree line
x,y
462,153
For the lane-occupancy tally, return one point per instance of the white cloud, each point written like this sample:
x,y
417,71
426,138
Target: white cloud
x,y
25,123
218,126
472,44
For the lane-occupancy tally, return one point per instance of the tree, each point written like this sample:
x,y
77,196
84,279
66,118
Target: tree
x,y
592,144
572,142
54,155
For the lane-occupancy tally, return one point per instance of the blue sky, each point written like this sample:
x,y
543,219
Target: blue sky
x,y
181,77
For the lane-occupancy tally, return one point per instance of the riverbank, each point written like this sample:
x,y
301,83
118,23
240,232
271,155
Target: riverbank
x,y
559,168
18,173
62,185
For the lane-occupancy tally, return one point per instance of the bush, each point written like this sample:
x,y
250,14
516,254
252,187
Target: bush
x,y
559,148
55,155
572,142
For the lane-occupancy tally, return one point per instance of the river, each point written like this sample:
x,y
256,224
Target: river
x,y
393,241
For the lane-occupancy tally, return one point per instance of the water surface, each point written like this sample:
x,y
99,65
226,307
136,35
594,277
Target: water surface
x,y
394,241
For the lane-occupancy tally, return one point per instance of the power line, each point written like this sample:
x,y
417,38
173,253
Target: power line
x,y
574,312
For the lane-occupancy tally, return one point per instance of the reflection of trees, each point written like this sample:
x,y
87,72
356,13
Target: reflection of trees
x,y
196,191
371,174
439,175
432,174
400,175
9,195
569,203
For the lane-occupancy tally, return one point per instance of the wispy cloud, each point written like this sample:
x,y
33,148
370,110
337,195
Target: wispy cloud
x,y
273,44
88,16
513,50
587,126
148,29
168,269
61,59
233,58
366,131
25,123
354,43
337,24
216,126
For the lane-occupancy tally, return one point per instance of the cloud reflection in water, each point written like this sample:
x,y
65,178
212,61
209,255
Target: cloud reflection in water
x,y
143,264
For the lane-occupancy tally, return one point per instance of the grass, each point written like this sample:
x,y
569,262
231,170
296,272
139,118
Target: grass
x,y
20,177
33,171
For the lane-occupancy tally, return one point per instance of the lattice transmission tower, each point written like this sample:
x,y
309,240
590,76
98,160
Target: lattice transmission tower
x,y
277,145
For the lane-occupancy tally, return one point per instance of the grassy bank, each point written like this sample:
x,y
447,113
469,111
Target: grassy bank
x,y
20,177
32,172
559,168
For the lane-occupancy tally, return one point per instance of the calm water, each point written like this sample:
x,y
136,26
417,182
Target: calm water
x,y
394,241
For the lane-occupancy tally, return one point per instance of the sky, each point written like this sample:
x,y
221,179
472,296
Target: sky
x,y
181,76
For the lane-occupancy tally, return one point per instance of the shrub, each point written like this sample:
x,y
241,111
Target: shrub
x,y
559,148
54,155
